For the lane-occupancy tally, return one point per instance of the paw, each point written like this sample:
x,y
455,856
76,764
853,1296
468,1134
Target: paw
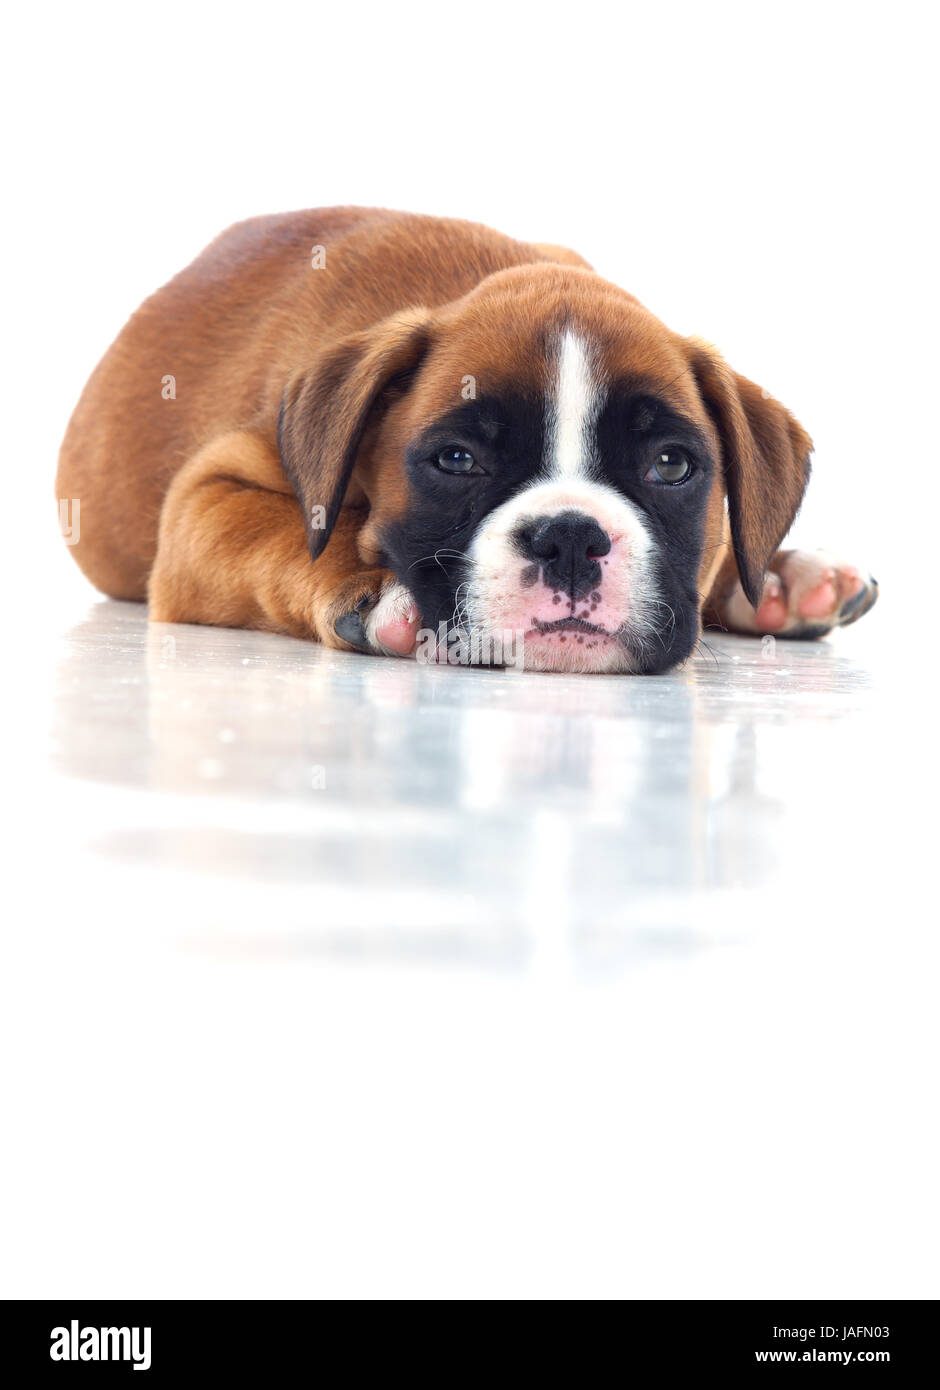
x,y
386,622
806,594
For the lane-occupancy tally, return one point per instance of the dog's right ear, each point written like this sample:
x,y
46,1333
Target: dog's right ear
x,y
326,407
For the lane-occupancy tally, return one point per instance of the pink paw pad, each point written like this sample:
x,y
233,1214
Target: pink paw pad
x,y
819,592
808,593
772,613
819,602
399,633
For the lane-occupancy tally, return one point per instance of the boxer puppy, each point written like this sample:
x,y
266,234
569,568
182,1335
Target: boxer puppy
x,y
350,425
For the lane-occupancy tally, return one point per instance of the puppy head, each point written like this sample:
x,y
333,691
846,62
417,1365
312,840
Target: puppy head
x,y
545,457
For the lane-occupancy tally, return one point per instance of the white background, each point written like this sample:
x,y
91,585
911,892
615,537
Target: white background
x,y
761,175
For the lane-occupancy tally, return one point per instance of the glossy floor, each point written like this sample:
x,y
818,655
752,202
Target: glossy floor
x,y
332,974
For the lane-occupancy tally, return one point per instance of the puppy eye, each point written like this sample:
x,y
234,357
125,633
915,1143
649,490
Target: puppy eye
x,y
454,460
671,466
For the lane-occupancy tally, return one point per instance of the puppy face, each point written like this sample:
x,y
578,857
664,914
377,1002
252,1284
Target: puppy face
x,y
546,458
569,500
573,512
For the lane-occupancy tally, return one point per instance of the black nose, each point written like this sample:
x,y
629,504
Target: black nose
x,y
567,547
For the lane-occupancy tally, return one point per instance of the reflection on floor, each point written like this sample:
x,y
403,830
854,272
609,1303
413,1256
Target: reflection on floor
x,y
464,807
346,975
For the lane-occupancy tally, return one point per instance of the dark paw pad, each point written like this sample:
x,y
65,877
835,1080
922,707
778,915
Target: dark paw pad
x,y
350,627
859,604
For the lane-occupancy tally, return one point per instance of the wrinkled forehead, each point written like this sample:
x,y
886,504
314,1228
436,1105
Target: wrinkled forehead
x,y
556,365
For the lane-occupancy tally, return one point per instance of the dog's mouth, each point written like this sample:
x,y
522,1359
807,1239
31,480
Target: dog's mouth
x,y
568,625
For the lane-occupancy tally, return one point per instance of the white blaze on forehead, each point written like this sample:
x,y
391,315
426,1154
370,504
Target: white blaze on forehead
x,y
573,407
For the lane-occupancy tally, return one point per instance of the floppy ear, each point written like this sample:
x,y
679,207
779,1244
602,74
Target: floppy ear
x,y
325,410
765,457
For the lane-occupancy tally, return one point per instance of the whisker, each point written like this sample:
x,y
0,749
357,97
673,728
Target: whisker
x,y
442,550
702,643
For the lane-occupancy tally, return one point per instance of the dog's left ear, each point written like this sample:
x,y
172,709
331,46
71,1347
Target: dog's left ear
x,y
327,406
765,457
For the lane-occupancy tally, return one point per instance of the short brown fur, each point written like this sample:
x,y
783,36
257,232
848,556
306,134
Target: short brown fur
x,y
205,503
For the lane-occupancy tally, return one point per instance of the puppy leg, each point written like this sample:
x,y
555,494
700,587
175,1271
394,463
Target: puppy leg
x,y
806,594
232,552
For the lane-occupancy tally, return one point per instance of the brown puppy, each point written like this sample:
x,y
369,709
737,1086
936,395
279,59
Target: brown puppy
x,y
349,424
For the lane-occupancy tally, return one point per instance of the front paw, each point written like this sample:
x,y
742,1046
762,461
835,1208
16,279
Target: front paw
x,y
384,621
806,594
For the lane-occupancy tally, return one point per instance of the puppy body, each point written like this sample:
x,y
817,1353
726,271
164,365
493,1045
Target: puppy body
x,y
231,330
340,423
